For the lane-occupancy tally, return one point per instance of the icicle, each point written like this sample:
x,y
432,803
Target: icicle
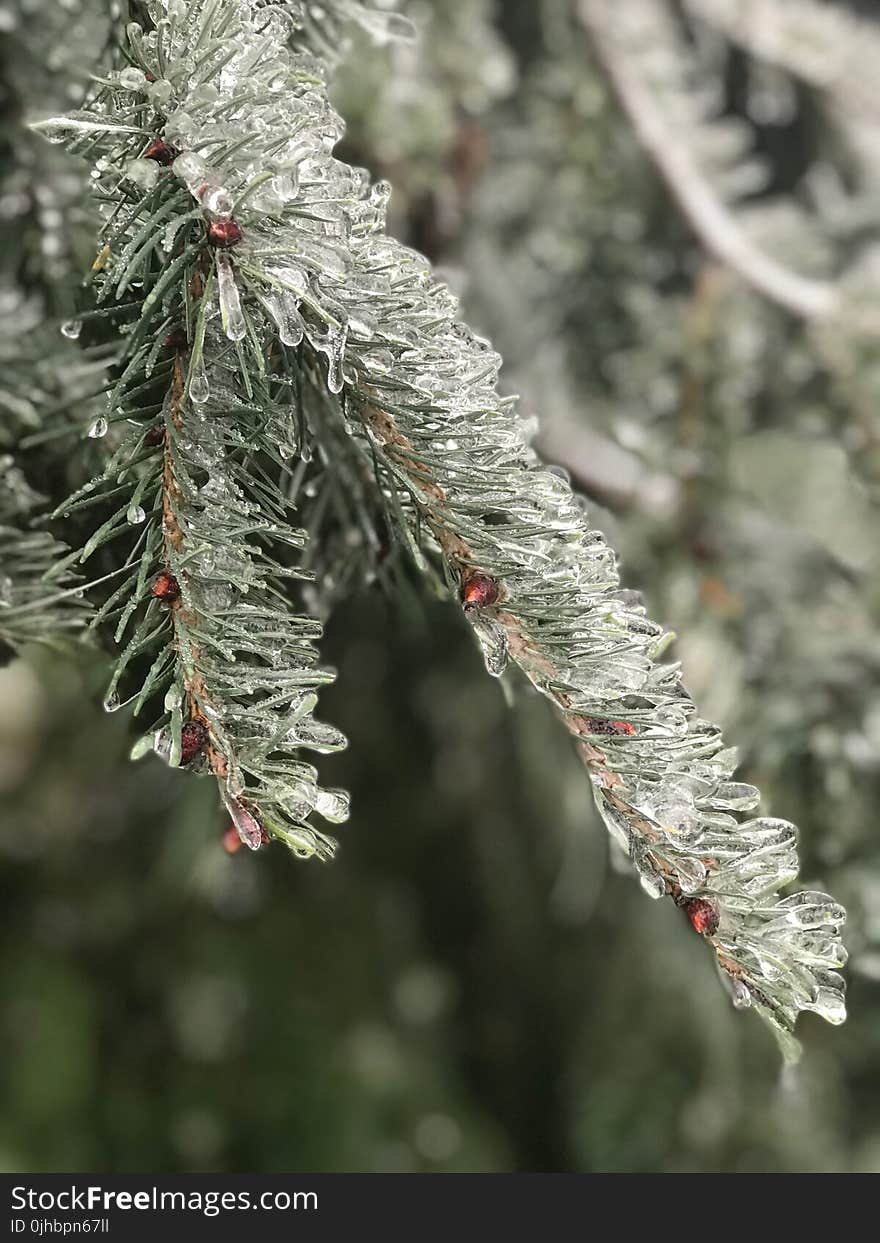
x,y
316,735
333,347
199,389
283,309
230,304
333,805
829,1004
492,638
78,125
192,171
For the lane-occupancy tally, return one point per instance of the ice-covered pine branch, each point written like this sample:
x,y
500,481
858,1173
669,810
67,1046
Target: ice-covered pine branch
x,y
243,261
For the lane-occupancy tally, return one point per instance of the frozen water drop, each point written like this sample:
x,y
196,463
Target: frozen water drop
x,y
135,515
492,638
362,325
333,346
144,173
334,373
133,79
317,735
284,186
199,389
674,813
742,998
192,171
283,309
98,428
231,313
160,92
111,703
162,744
380,194
173,697
829,1004
293,279
71,329
301,842
219,201
652,885
180,128
333,805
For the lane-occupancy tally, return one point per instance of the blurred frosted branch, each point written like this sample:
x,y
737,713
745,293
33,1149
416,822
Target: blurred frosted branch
x,y
713,222
828,46
45,56
37,604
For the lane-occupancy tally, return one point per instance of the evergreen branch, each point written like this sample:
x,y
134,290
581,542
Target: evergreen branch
x,y
285,269
32,609
47,384
713,223
204,614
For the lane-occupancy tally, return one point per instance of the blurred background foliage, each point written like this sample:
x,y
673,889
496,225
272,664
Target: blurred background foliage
x,y
472,985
